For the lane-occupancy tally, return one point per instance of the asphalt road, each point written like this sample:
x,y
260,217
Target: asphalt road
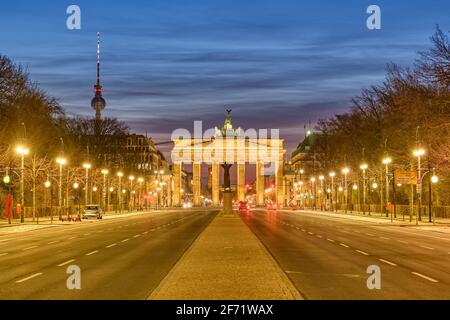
x,y
327,258
123,258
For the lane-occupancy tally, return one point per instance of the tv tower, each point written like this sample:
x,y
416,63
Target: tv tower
x,y
98,103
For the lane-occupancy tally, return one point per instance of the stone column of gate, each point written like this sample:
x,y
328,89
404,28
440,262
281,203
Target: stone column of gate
x,y
176,194
260,184
215,184
197,186
279,167
241,181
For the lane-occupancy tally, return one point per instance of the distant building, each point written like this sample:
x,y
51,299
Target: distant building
x,y
304,158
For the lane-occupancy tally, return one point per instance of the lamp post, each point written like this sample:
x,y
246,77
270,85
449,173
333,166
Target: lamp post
x,y
346,171
131,178
321,179
119,193
433,180
387,161
86,166
332,176
313,191
419,153
105,172
48,185
61,161
76,187
22,151
141,191
364,168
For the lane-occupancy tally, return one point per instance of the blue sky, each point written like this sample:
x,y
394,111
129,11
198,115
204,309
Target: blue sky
x,y
277,63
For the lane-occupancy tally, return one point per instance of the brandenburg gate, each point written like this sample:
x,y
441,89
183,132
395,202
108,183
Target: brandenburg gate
x,y
217,147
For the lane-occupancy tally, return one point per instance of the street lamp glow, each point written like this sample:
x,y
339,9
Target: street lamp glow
x,y
161,172
321,178
419,152
76,185
47,184
313,179
355,187
434,179
87,166
345,171
6,179
387,160
332,174
23,151
131,178
375,185
95,189
111,189
105,172
120,174
140,180
341,189
61,161
364,166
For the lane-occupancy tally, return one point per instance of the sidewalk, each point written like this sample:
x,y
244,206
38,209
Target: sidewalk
x,y
442,225
226,262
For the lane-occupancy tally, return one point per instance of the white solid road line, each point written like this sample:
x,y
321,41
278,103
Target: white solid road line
x,y
125,240
344,245
30,277
137,236
53,242
29,248
112,245
424,277
428,248
319,236
385,238
388,262
72,238
3,254
362,252
91,253
65,263
404,242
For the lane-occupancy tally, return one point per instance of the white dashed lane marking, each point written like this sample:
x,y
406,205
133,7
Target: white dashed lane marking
x,y
331,240
388,262
344,245
53,242
428,248
112,245
91,253
362,252
125,240
30,277
66,263
424,277
3,254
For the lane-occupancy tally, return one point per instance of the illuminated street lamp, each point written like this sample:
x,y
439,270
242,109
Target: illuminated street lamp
x,y
141,190
345,172
22,151
419,153
313,191
387,161
120,175
364,168
105,172
131,178
61,162
321,179
332,176
87,167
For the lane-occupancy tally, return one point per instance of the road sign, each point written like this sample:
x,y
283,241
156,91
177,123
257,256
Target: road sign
x,y
405,177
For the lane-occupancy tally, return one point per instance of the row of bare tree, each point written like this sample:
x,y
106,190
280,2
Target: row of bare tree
x,y
411,108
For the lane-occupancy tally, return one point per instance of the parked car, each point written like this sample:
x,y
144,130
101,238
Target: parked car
x,y
92,211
